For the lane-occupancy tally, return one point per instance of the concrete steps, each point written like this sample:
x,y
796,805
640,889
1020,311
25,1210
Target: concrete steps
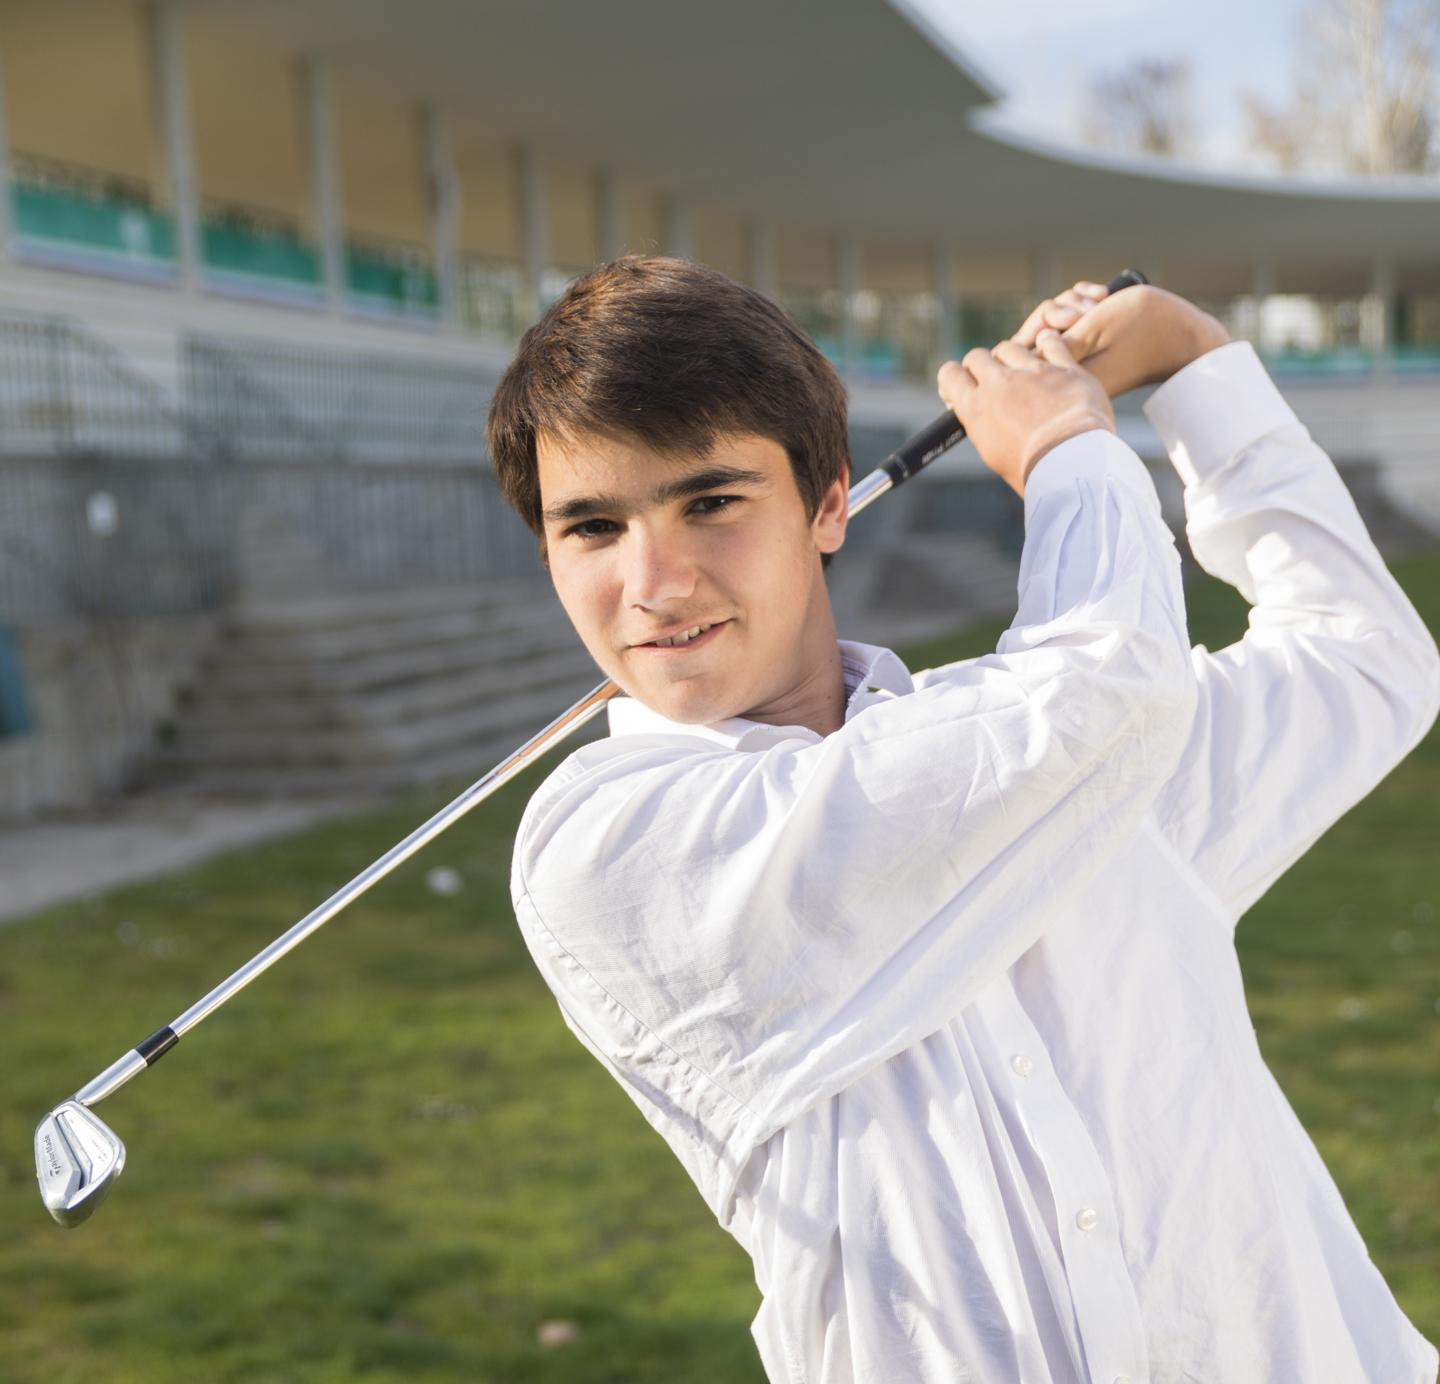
x,y
467,762
358,694
291,705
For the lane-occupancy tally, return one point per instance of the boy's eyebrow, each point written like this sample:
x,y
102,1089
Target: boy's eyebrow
x,y
712,478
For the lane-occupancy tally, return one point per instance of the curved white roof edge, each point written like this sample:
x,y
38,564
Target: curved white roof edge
x,y
992,125
946,44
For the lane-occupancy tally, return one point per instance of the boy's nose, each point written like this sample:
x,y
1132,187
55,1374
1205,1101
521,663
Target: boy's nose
x,y
657,570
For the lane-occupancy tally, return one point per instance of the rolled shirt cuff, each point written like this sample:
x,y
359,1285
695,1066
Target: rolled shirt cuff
x,y
1216,406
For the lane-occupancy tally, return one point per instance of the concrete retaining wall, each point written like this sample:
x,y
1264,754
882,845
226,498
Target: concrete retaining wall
x,y
98,695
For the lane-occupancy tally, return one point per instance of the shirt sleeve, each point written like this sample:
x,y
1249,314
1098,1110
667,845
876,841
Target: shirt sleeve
x,y
758,929
1336,678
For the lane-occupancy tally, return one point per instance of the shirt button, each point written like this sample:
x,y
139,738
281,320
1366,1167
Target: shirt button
x,y
1087,1219
1122,1379
1022,1064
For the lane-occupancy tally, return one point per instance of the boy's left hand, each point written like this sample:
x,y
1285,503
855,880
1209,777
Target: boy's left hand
x,y
1141,336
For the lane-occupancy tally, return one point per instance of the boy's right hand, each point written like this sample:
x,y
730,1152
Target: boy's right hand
x,y
1140,336
1017,404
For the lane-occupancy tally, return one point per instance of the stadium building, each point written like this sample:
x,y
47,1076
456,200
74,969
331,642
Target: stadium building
x,y
261,262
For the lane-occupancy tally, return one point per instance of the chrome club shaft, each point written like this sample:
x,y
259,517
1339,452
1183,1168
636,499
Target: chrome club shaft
x,y
78,1157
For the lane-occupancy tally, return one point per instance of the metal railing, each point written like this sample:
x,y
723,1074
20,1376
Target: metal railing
x,y
347,471
264,400
64,392
67,392
91,538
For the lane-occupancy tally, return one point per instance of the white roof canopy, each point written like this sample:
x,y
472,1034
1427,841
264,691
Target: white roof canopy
x,y
844,114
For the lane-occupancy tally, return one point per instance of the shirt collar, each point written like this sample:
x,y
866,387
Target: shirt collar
x,y
867,669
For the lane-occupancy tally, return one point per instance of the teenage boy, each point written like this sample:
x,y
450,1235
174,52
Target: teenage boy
x,y
929,979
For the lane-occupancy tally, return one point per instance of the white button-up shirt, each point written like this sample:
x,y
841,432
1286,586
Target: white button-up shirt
x,y
942,1011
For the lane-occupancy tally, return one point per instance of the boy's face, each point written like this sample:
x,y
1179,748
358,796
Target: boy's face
x,y
644,546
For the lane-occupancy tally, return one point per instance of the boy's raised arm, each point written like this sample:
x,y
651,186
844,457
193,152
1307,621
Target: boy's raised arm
x,y
756,929
1337,677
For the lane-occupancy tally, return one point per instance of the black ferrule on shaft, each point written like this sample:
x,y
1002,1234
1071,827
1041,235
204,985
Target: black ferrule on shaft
x,y
157,1045
919,451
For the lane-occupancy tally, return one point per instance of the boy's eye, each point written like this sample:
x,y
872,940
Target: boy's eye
x,y
597,528
589,528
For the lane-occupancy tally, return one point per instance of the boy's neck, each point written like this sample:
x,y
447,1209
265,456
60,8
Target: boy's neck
x,y
817,700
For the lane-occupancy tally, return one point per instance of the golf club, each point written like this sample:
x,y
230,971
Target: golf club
x,y
78,1156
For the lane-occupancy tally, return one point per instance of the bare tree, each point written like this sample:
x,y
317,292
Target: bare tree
x,y
1365,96
1145,106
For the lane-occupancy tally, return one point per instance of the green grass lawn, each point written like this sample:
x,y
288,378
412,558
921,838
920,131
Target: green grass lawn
x,y
388,1160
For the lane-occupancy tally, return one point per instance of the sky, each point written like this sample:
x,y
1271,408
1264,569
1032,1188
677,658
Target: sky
x,y
1043,53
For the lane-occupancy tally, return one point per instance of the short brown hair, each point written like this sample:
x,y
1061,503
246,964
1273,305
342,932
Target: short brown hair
x,y
672,355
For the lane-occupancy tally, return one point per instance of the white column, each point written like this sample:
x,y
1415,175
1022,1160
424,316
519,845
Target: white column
x,y
1380,310
851,281
534,232
6,178
675,227
947,326
1262,285
172,111
610,214
443,186
317,106
764,258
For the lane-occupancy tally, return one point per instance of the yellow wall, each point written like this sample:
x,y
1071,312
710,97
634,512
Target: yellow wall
x,y
1418,278
805,258
891,267
381,174
247,123
1196,278
570,188
1298,275
720,239
76,85
489,194
644,234
980,274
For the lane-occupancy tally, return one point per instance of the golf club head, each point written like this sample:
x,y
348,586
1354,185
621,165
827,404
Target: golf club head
x,y
77,1157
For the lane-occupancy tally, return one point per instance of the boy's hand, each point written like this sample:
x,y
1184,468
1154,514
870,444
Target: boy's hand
x,y
1061,311
1016,404
1141,336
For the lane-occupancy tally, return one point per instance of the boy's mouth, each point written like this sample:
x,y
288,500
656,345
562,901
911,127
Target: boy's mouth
x,y
683,640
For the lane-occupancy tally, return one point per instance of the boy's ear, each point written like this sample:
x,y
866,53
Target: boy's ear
x,y
828,526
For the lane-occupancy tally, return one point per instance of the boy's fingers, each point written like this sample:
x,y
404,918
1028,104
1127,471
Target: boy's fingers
x,y
1026,335
954,383
980,363
1013,354
1051,345
1060,312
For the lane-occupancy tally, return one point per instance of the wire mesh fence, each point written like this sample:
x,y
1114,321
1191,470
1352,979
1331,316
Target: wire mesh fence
x,y
86,538
267,400
66,393
278,469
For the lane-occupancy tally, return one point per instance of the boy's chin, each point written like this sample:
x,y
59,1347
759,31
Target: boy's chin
x,y
685,707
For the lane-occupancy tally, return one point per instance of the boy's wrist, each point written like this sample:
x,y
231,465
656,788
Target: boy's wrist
x,y
1072,427
1203,335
